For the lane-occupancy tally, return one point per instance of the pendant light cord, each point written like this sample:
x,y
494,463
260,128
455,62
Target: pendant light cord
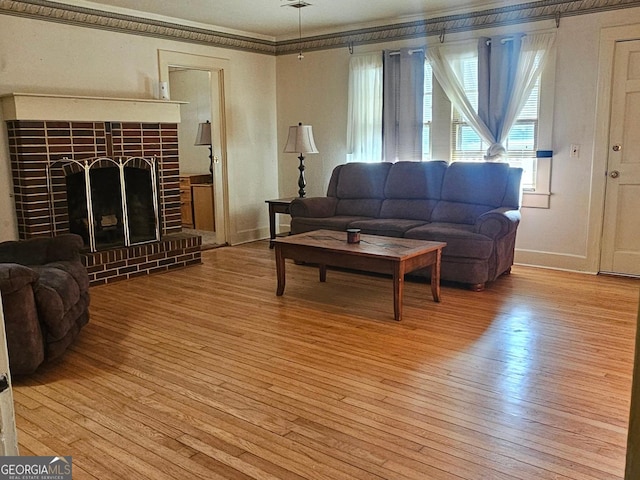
x,y
300,55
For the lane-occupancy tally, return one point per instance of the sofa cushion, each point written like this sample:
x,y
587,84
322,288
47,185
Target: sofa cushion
x,y
412,209
389,227
362,180
461,240
478,183
457,212
415,180
307,224
361,207
470,189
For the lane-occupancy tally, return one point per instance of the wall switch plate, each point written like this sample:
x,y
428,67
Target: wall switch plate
x,y
574,151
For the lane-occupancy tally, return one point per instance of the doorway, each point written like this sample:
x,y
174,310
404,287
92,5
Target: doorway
x,y
620,252
201,81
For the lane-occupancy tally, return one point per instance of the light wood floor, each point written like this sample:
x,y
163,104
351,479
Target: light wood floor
x,y
204,373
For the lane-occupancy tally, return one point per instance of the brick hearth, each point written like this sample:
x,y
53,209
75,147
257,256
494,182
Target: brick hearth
x,y
173,251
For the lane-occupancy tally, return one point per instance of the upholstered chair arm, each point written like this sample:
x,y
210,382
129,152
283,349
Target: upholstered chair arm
x,y
25,341
13,277
498,222
315,207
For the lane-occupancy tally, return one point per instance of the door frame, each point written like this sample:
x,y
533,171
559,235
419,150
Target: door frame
x,y
609,37
8,431
219,69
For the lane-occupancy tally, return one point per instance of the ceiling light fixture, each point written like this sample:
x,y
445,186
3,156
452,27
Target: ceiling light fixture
x,y
299,4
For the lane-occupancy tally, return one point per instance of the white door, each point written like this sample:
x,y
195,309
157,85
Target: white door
x,y
621,235
8,436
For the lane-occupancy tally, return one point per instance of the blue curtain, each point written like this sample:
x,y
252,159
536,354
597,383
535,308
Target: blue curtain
x,y
403,94
497,69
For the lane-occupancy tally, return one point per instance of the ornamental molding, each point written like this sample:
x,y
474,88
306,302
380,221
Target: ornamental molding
x,y
93,18
511,15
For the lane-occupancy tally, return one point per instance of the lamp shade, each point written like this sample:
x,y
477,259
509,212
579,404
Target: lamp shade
x,y
203,137
300,140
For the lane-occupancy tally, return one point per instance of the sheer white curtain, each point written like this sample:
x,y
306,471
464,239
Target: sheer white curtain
x,y
364,121
446,61
534,53
447,64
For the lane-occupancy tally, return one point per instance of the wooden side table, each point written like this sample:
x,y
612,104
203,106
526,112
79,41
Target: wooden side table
x,y
278,205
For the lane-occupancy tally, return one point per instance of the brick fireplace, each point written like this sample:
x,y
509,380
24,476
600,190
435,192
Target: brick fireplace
x,y
39,141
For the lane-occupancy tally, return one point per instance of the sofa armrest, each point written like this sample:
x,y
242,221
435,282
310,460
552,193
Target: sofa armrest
x,y
498,222
314,207
13,277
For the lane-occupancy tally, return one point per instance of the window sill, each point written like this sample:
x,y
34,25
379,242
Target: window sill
x,y
536,200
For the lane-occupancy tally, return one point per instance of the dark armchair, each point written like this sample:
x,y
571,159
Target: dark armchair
x,y
45,297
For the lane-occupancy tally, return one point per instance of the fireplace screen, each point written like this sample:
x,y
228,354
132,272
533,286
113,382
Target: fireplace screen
x,y
112,202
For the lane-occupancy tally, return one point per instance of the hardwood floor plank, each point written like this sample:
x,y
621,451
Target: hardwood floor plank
x,y
204,373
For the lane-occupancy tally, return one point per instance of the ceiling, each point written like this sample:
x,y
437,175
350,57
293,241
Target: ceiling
x,y
276,19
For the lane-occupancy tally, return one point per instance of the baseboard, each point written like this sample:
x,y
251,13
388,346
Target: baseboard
x,y
555,261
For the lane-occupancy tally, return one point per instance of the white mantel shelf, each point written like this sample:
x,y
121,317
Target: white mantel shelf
x,y
36,106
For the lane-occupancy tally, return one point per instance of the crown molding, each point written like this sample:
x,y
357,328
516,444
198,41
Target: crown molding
x,y
99,19
497,17
511,15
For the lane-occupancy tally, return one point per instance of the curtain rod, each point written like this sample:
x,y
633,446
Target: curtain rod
x,y
505,40
411,52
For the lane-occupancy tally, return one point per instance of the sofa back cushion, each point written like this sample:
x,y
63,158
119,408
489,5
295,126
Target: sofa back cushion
x,y
359,188
362,180
332,189
41,250
470,189
359,207
412,189
415,180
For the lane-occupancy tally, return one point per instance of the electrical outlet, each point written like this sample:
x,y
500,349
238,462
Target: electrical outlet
x,y
574,151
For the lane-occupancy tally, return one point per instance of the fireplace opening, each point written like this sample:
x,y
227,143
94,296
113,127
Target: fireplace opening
x,y
112,203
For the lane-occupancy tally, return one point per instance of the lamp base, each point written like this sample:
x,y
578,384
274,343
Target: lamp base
x,y
301,181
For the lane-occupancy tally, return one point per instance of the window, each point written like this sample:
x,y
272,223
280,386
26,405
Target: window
x,y
446,133
521,143
427,115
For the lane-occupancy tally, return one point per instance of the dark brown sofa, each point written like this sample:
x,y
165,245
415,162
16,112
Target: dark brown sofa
x,y
473,207
45,297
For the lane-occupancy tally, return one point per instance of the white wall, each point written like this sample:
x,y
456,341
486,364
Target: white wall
x,y
314,90
47,57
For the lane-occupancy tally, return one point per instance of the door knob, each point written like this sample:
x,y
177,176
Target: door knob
x,y
617,148
614,174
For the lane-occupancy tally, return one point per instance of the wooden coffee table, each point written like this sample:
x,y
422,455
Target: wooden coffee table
x,y
374,253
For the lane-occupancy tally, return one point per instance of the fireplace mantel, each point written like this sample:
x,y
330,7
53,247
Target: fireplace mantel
x,y
37,106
